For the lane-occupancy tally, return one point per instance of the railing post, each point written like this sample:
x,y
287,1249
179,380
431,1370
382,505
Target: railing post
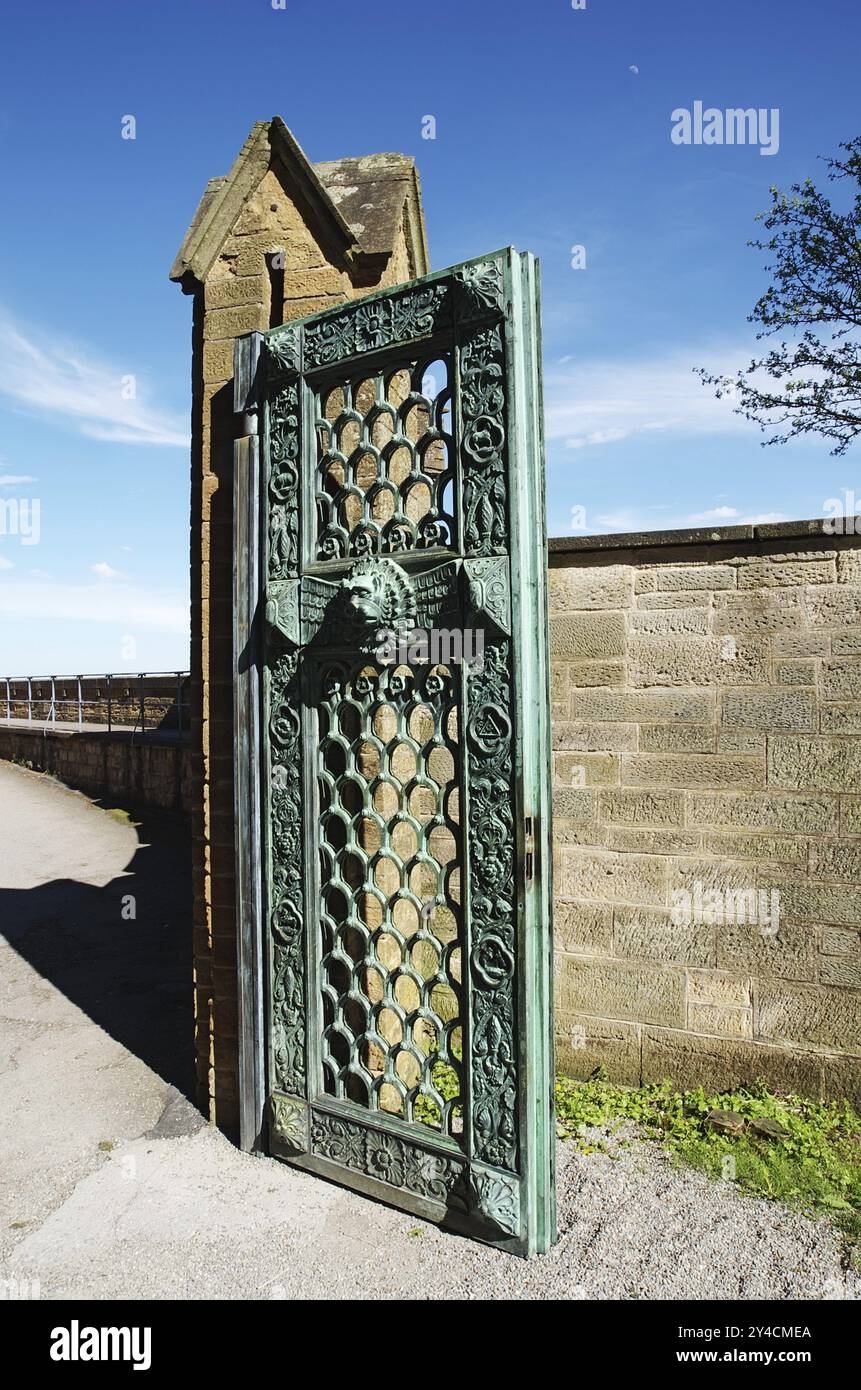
x,y
52,700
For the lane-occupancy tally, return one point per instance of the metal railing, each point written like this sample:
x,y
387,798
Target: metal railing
x,y
149,702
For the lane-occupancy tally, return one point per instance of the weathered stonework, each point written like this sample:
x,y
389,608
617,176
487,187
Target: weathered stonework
x,y
729,743
146,773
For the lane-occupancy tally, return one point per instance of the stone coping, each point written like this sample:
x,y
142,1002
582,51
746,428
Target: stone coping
x,y
702,536
101,732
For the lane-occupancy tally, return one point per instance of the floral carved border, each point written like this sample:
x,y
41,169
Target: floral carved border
x,y
283,480
286,906
490,1198
491,841
483,444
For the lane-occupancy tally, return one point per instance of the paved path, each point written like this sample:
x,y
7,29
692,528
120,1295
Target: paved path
x,y
113,1187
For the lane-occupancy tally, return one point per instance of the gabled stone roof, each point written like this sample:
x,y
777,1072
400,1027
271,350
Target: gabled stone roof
x,y
359,205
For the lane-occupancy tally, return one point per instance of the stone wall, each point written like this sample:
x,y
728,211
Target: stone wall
x,y
707,736
131,770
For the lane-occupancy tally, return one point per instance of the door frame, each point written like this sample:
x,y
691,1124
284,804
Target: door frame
x,y
248,591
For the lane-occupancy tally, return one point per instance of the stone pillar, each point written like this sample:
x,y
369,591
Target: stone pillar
x,y
277,239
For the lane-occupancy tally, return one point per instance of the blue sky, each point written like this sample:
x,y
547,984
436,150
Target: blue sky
x,y
552,131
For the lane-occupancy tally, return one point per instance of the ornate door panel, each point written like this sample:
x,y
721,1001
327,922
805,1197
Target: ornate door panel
x,y
397,542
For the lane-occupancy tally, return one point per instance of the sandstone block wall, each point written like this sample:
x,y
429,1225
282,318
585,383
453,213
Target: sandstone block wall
x,y
132,771
706,703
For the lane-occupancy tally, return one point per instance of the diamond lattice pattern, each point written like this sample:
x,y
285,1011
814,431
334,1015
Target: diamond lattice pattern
x,y
388,766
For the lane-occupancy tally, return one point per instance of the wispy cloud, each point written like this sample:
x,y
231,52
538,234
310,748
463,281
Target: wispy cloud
x,y
5,564
106,571
15,479
594,403
661,518
715,514
42,373
40,601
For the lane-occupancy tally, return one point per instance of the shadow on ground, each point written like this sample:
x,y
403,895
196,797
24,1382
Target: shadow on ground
x,y
132,977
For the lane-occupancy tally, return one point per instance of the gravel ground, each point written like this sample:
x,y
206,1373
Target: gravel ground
x,y
112,1185
190,1217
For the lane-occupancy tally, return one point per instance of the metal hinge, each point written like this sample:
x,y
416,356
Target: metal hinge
x,y
529,847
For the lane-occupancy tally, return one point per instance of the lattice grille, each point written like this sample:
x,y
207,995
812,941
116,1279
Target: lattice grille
x,y
384,462
388,768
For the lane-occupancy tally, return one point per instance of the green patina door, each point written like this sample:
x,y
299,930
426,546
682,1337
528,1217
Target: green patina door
x,y
405,804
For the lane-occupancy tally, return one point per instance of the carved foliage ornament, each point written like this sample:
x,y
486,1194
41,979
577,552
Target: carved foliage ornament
x,y
491,1198
282,610
378,323
387,321
479,290
487,592
282,350
289,1119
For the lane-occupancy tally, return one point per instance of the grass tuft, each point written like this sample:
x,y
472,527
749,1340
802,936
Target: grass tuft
x,y
816,1166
